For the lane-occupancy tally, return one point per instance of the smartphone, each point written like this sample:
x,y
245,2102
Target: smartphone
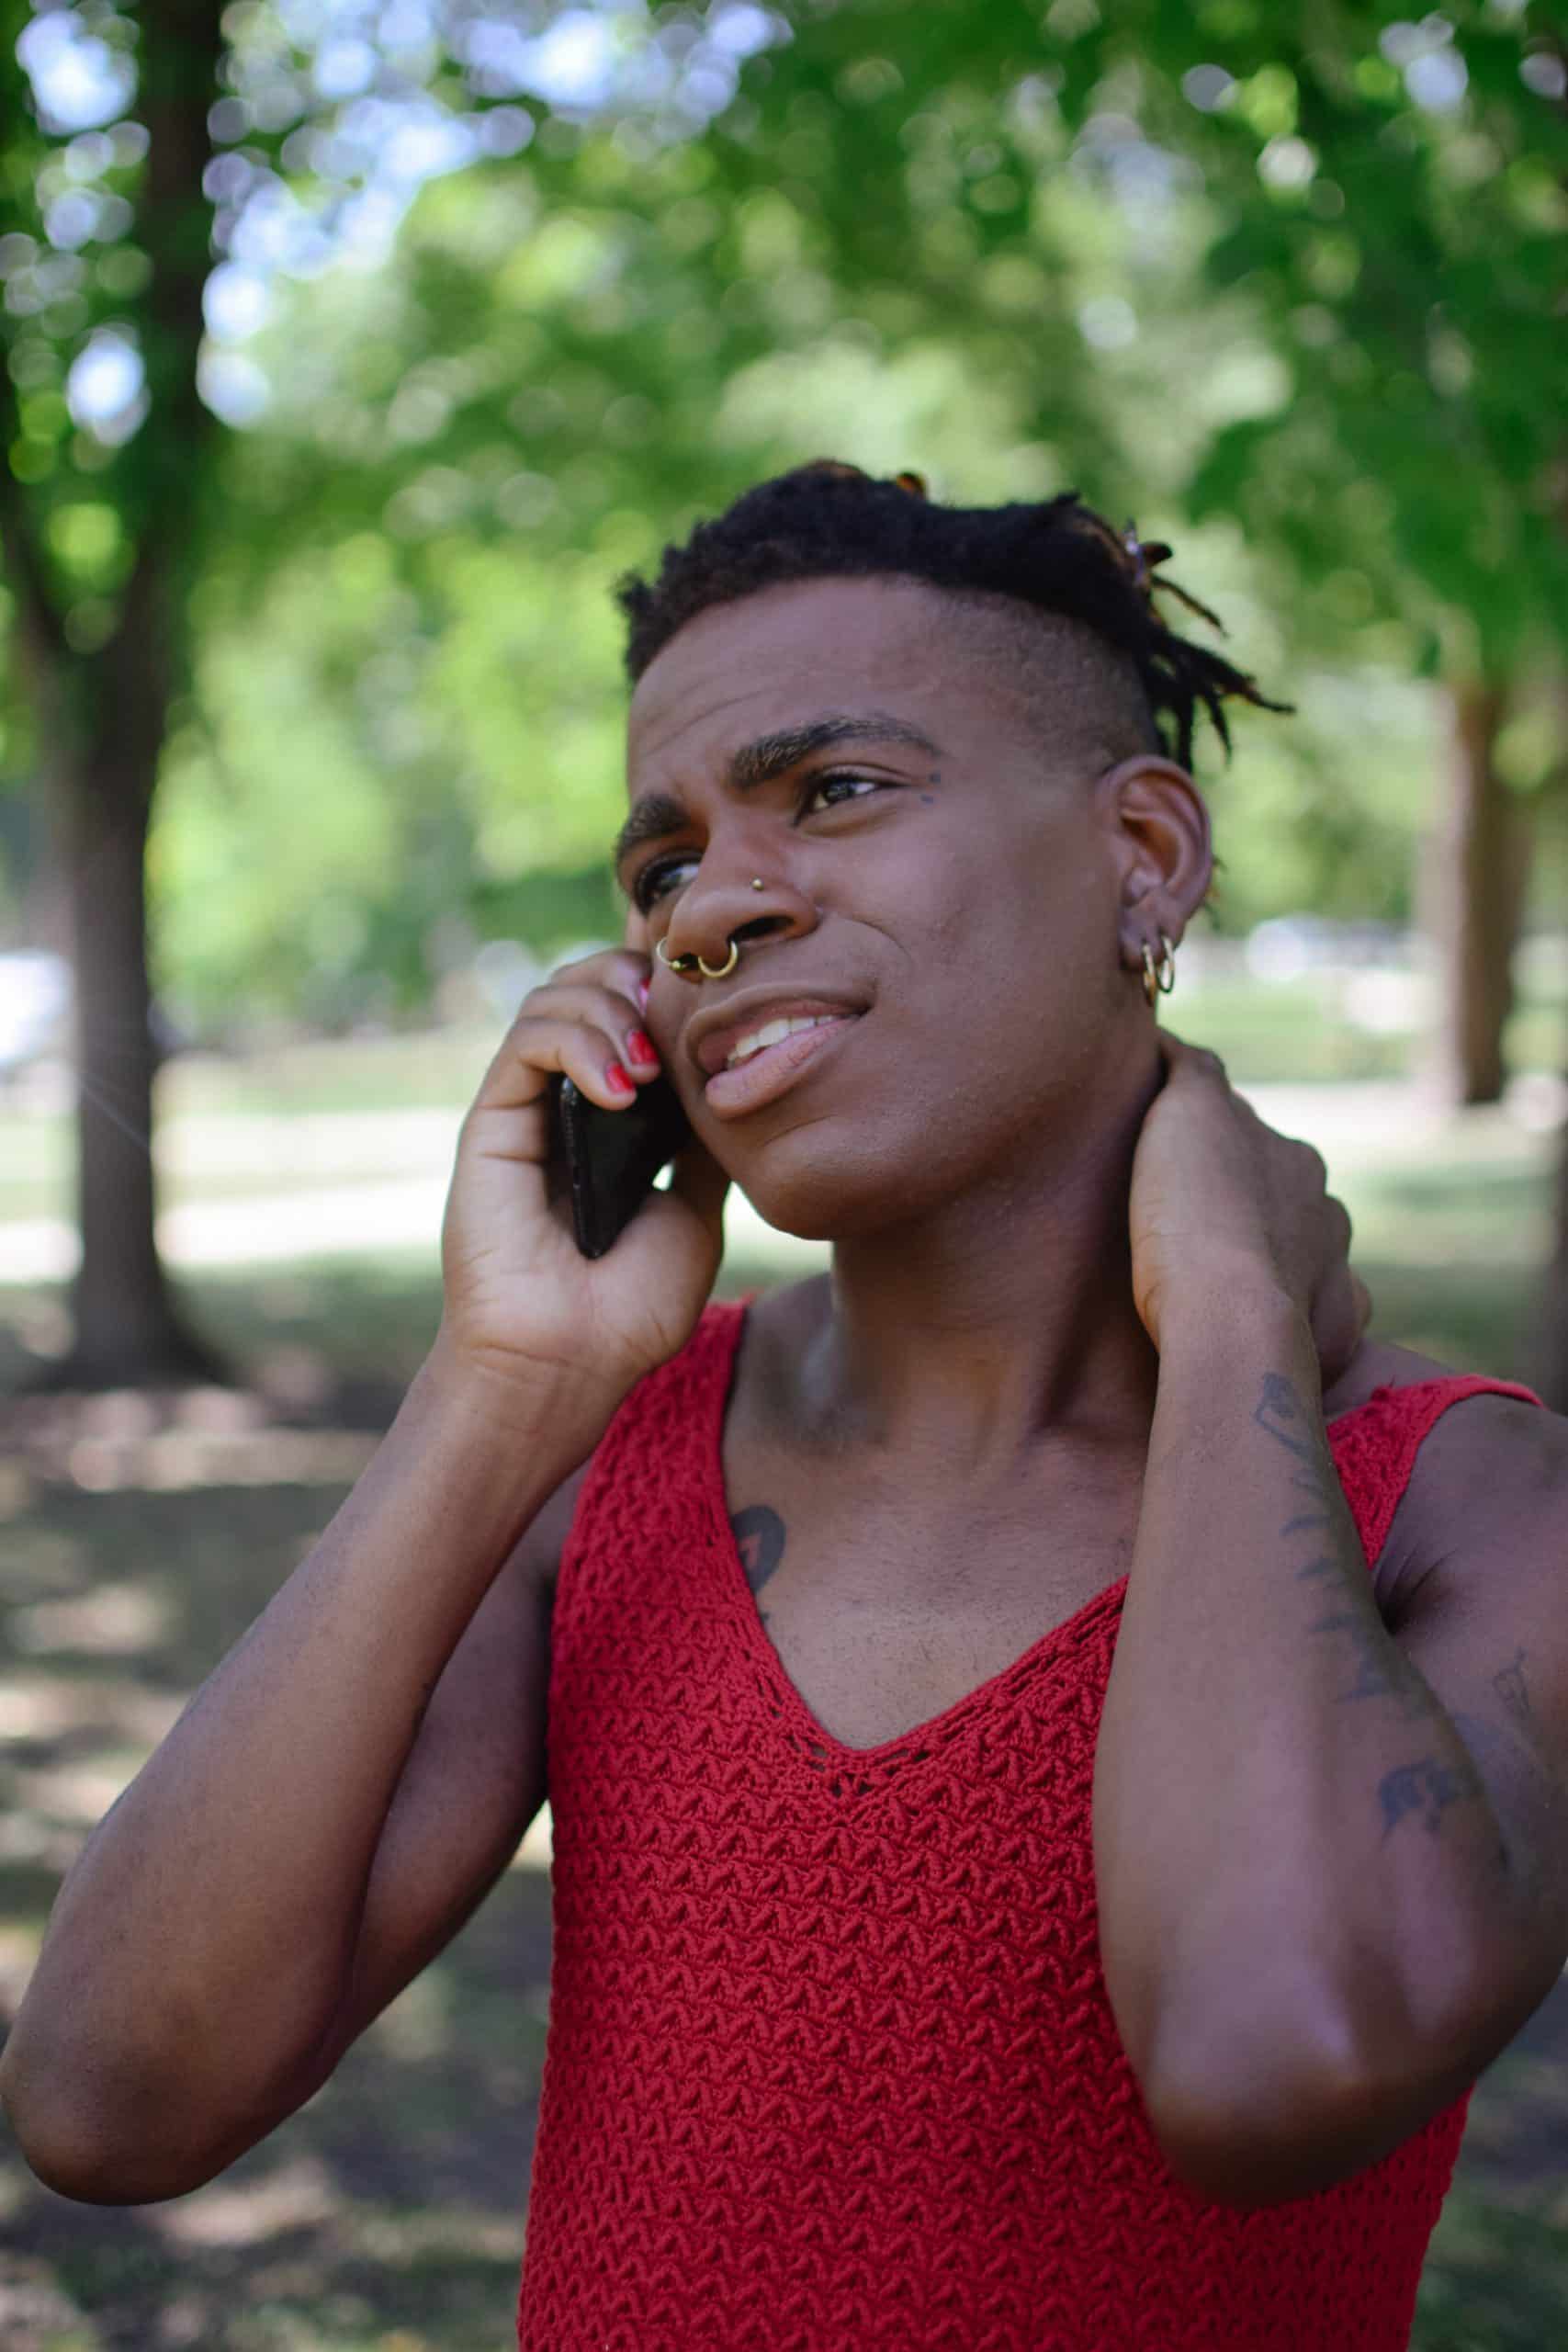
x,y
611,1157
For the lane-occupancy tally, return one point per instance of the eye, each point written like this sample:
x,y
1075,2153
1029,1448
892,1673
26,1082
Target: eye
x,y
657,880
832,791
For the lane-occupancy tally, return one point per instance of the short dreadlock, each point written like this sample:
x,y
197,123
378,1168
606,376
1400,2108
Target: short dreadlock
x,y
829,520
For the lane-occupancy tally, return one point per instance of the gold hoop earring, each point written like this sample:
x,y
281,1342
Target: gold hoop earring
x,y
1162,981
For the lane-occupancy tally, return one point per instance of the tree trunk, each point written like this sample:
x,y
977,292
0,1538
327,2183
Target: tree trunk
x,y
128,1332
1477,866
101,722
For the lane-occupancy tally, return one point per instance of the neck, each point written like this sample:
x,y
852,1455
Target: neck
x,y
960,1340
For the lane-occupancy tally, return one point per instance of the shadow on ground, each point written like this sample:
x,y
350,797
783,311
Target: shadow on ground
x,y
138,1538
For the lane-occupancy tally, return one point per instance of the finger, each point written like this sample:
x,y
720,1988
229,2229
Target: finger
x,y
1336,1326
612,1000
537,1049
611,1032
624,967
1196,1060
624,971
697,1184
699,1180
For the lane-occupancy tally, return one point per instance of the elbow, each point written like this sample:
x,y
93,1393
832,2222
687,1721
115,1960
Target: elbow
x,y
99,2148
74,2163
1248,2127
61,2145
77,2158
78,2155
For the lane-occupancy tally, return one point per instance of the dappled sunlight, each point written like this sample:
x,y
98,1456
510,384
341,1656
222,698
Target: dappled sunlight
x,y
298,2195
53,1707
77,1795
113,1620
173,1442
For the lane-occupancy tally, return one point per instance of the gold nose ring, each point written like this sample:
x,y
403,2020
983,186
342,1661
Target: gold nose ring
x,y
691,966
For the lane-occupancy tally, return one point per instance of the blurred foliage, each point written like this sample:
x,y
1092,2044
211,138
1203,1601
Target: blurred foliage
x,y
505,295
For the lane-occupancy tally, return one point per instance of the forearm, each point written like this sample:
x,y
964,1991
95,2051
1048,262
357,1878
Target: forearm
x,y
1296,1862
203,1941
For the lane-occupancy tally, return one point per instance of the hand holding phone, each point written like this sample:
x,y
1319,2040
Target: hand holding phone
x,y
562,1270
612,1157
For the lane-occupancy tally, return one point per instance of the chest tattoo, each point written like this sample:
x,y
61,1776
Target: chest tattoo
x,y
759,1540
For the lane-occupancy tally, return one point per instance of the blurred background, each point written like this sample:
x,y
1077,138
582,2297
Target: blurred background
x,y
353,350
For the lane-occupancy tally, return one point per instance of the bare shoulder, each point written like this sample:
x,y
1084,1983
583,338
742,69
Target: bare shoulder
x,y
1379,1363
1487,1501
1491,1471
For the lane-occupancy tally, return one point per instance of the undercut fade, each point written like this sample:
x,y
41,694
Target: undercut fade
x,y
827,520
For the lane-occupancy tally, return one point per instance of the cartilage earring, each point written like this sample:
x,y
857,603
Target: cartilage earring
x,y
1161,982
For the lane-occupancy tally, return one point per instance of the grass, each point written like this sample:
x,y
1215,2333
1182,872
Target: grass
x,y
386,2216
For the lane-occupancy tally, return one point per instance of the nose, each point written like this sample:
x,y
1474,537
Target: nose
x,y
721,908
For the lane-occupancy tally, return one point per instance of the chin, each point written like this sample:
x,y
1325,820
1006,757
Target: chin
x,y
800,1184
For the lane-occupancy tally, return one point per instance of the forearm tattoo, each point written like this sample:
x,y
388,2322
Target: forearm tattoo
x,y
1424,1789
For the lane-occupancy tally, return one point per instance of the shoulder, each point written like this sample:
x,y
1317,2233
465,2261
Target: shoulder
x,y
1379,1363
1488,1489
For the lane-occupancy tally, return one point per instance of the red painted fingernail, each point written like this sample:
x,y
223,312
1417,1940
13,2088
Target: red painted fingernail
x,y
641,1049
615,1076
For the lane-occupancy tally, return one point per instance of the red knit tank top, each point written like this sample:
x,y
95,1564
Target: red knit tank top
x,y
830,2064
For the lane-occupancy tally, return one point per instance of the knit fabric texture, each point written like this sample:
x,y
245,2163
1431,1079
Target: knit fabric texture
x,y
830,2064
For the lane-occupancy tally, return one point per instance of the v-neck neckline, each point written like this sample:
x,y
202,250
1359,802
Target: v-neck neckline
x,y
822,1749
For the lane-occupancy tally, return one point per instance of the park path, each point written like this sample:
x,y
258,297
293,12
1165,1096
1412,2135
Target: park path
x,y
328,1188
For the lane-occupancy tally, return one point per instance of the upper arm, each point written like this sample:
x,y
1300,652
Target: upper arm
x,y
1482,1613
474,1781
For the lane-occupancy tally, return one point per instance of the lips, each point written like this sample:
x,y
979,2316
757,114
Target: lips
x,y
713,1037
813,1026
763,1076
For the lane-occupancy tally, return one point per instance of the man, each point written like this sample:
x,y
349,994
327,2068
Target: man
x,y
866,2029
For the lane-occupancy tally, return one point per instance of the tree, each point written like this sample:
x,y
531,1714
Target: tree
x,y
97,541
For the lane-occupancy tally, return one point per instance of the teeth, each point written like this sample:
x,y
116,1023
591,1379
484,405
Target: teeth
x,y
774,1034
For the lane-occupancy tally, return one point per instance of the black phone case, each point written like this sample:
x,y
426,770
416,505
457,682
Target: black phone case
x,y
613,1157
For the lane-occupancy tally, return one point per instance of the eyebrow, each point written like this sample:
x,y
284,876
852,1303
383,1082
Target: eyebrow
x,y
659,814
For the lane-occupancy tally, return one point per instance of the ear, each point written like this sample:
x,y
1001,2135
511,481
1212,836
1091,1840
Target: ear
x,y
1158,826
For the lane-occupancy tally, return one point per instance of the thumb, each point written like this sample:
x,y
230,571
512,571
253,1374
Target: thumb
x,y
702,1184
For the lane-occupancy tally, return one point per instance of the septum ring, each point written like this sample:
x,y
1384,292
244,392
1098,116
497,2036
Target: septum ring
x,y
690,967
